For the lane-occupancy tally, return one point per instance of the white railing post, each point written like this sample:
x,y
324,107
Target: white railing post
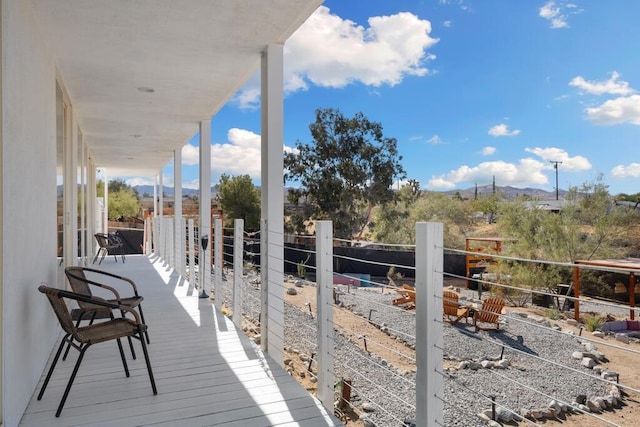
x,y
182,260
324,299
154,236
192,252
217,262
429,333
264,292
238,251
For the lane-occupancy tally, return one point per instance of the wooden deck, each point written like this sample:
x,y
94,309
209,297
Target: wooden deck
x,y
207,372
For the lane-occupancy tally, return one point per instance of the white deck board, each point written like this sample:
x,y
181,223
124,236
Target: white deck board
x,y
207,372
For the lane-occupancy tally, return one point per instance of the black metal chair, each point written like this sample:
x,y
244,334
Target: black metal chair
x,y
81,338
81,284
110,244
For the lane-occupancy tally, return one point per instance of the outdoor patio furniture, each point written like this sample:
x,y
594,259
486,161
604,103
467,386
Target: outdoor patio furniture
x,y
110,244
451,307
489,313
80,283
81,338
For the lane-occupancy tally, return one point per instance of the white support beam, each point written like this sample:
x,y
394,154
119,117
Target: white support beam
x,y
217,261
204,225
161,230
105,210
238,248
272,196
429,333
324,300
177,212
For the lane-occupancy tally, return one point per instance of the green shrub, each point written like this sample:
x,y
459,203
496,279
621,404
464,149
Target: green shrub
x,y
592,322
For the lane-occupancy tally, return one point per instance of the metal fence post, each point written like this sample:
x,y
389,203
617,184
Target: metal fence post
x,y
429,333
217,262
324,300
238,248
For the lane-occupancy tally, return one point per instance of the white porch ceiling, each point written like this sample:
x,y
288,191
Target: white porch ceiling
x,y
193,54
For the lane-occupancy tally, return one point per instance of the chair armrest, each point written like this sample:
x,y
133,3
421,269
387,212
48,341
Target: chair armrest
x,y
98,301
114,276
91,282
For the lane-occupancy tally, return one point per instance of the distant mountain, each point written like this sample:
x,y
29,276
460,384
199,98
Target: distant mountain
x,y
168,191
507,192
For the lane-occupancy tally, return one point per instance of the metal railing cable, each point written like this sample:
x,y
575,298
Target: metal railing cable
x,y
575,408
409,313
366,261
378,325
462,385
369,281
369,243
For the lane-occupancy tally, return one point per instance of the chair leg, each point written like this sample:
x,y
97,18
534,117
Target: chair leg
x,y
146,331
53,365
133,352
95,258
146,359
124,361
73,377
66,352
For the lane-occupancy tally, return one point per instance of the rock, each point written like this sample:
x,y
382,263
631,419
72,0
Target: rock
x,y
486,415
298,284
292,291
584,408
589,346
368,407
502,364
366,421
598,334
578,355
463,365
622,338
598,369
487,364
615,392
573,322
600,402
581,399
555,407
256,339
474,365
588,362
599,355
492,423
593,405
409,422
503,415
609,375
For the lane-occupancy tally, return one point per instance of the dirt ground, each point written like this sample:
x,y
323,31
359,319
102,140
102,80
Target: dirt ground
x,y
623,362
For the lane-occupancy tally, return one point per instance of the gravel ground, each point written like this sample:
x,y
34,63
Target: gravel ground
x,y
527,346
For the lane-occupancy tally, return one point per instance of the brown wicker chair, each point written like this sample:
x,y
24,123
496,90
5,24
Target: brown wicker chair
x,y
109,242
489,313
80,283
86,336
451,308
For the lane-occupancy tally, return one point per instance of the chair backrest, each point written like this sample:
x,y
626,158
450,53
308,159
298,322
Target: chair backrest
x,y
491,309
78,281
61,310
450,302
103,240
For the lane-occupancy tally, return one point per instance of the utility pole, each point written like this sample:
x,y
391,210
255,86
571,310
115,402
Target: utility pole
x,y
555,166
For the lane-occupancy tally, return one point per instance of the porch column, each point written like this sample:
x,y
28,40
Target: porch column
x,y
105,210
272,200
204,224
178,231
161,231
70,250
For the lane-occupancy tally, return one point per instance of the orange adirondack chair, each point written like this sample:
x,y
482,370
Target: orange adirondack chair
x,y
489,313
451,308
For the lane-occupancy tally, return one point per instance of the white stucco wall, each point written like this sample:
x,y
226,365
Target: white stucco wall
x,y
28,205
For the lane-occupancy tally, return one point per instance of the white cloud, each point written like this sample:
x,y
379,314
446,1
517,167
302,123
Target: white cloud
x,y
239,156
329,51
502,130
552,13
446,24
630,171
435,140
554,154
557,13
487,151
526,172
612,86
136,181
616,111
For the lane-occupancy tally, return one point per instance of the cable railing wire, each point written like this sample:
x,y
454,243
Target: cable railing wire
x,y
366,261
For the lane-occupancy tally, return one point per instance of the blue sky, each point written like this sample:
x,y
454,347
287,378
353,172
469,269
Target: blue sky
x,y
471,89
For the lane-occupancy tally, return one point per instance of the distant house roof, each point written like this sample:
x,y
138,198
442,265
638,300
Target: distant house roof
x,y
547,205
